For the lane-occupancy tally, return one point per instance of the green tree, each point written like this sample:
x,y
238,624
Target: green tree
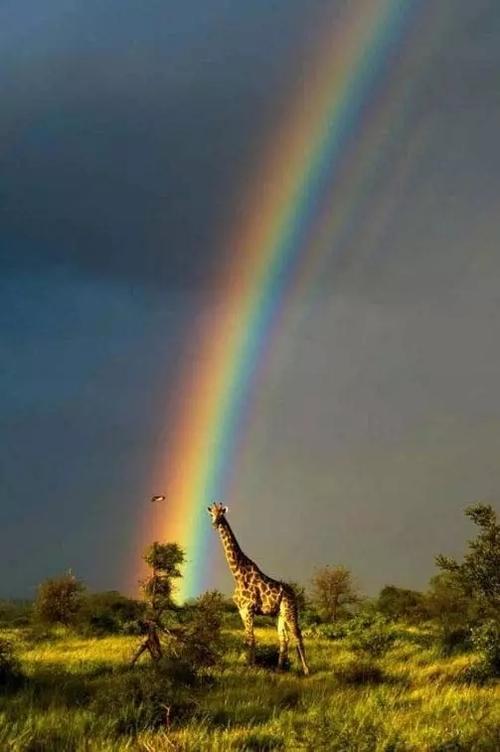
x,y
59,599
401,603
479,574
452,610
165,561
333,591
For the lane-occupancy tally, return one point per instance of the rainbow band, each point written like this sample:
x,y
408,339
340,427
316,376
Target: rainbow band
x,y
287,198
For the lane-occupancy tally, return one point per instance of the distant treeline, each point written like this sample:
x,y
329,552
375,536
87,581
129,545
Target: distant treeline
x,y
461,597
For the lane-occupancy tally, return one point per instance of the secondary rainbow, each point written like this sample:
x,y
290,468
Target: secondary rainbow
x,y
285,210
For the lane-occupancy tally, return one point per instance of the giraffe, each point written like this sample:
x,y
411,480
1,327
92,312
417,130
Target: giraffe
x,y
258,594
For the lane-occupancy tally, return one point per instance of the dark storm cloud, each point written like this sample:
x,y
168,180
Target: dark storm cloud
x,y
84,371
129,133
443,223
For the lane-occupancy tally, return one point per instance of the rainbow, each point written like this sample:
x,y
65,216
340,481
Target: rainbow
x,y
291,224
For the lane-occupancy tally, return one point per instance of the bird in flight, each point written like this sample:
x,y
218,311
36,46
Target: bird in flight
x,y
158,498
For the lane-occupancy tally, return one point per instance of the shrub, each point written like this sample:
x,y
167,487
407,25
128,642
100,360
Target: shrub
x,y
309,617
364,620
11,675
15,612
375,642
477,673
486,641
454,640
400,603
132,628
59,599
370,635
199,638
109,613
147,697
190,635
326,631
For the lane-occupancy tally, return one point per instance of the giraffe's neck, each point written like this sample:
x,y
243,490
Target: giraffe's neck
x,y
234,555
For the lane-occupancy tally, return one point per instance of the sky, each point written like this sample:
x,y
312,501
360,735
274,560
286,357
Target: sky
x,y
129,132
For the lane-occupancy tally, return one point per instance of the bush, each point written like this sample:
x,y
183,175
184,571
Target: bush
x,y
132,628
370,635
375,642
11,675
147,697
478,673
400,603
454,640
15,612
190,635
59,599
309,617
109,613
486,641
199,639
326,631
364,620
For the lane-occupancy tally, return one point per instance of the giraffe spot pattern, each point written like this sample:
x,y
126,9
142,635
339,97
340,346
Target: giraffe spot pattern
x,y
256,593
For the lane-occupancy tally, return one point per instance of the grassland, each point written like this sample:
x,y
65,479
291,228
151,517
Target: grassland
x,y
79,694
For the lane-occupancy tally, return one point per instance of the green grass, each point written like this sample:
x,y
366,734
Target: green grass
x,y
80,695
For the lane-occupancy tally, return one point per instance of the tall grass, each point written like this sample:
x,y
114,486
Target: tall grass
x,y
80,695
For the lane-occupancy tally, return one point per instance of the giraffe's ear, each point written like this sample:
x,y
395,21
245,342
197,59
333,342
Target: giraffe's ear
x,y
225,510
208,510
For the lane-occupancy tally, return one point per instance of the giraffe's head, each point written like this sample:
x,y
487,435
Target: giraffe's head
x,y
217,512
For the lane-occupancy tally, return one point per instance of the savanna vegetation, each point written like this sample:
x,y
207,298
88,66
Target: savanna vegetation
x,y
404,671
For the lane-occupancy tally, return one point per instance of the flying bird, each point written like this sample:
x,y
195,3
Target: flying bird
x,y
158,498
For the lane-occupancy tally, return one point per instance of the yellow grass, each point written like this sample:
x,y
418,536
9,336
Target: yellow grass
x,y
419,703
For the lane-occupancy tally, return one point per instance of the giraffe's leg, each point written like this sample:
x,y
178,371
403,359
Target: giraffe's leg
x,y
292,621
283,638
300,646
247,617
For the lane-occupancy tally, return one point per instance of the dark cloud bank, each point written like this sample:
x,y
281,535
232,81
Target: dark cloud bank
x,y
126,138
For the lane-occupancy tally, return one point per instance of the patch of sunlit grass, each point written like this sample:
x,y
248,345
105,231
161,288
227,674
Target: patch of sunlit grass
x,y
417,704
